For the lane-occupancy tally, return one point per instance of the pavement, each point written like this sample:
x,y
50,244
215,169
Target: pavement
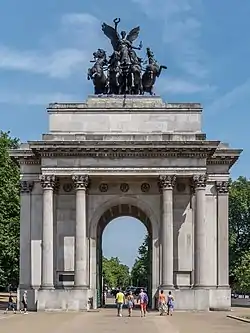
x,y
106,321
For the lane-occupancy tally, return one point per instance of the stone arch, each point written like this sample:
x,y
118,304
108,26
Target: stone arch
x,y
108,211
123,206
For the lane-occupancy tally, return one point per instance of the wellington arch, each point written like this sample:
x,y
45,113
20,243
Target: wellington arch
x,y
124,155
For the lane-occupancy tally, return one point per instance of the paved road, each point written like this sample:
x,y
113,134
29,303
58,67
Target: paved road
x,y
105,321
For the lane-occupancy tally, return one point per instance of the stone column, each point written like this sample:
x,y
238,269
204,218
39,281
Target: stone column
x,y
25,237
167,185
48,183
222,236
200,276
81,184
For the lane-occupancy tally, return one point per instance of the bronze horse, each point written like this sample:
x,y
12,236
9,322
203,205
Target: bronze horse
x,y
96,73
153,70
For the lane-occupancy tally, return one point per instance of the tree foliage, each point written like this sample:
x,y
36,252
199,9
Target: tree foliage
x,y
239,228
242,274
9,212
141,268
115,274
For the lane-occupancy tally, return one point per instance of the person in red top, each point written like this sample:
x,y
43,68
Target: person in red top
x,y
143,301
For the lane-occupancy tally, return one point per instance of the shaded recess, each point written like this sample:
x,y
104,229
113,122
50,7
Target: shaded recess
x,y
109,215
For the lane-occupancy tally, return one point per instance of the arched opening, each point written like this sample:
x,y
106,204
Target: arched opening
x,y
114,213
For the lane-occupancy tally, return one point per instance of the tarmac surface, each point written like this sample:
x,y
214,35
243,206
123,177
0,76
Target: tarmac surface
x,y
106,321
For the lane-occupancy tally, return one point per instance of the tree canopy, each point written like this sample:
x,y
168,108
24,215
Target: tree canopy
x,y
141,268
9,212
115,274
239,232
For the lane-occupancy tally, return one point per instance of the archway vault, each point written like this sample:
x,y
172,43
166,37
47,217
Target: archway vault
x,y
119,210
123,206
123,210
101,216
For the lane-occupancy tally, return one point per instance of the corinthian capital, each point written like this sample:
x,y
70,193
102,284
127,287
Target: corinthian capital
x,y
167,181
48,181
222,186
81,181
200,181
26,186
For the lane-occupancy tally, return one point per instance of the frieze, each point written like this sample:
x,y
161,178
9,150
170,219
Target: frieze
x,y
81,181
222,187
26,186
48,181
167,181
103,187
124,187
67,187
145,187
200,181
180,187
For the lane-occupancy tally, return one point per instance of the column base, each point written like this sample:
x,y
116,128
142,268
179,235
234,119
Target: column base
x,y
63,300
47,287
80,287
198,287
167,286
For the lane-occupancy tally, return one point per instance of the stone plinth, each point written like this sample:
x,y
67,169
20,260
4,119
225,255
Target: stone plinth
x,y
114,115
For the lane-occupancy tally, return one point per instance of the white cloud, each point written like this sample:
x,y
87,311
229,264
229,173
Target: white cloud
x,y
73,44
34,98
231,99
181,86
181,31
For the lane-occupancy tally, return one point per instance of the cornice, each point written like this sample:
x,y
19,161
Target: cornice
x,y
122,171
118,103
128,149
123,144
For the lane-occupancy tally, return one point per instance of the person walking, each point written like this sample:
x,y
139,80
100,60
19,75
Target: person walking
x,y
130,302
143,301
24,303
120,301
170,304
11,304
162,303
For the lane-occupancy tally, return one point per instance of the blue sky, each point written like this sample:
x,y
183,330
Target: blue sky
x,y
45,48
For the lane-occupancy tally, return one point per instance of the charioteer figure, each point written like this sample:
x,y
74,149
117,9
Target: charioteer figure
x,y
125,72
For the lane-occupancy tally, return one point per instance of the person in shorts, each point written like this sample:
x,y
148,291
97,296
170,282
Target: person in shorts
x,y
162,303
24,303
170,303
120,301
130,302
143,301
11,304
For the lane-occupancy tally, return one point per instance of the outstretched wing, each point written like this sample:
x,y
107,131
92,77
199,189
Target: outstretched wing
x,y
111,33
133,34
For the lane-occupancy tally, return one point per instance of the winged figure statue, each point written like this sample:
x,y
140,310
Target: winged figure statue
x,y
124,73
122,43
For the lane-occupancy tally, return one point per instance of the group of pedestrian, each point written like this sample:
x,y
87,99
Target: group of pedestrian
x,y
142,300
166,304
12,304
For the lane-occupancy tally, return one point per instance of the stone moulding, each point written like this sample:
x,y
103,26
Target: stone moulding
x,y
59,171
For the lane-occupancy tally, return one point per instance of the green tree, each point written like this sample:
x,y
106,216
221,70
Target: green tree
x,y
239,223
242,274
9,212
141,268
115,274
